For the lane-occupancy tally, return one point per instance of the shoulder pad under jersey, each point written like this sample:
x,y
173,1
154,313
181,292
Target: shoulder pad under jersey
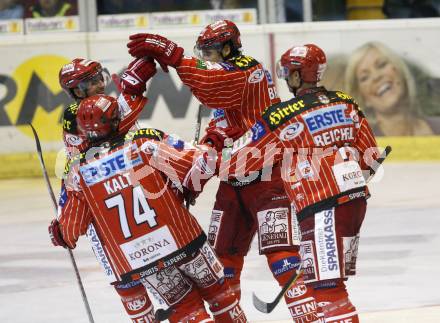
x,y
341,96
149,133
69,119
75,160
279,113
243,62
215,66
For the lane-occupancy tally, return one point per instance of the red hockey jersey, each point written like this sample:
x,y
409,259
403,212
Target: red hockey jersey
x,y
240,88
324,142
123,189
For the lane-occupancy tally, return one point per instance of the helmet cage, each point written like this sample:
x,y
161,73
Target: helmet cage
x,y
217,34
88,81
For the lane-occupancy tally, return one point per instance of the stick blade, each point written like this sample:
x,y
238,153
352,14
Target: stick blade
x,y
262,306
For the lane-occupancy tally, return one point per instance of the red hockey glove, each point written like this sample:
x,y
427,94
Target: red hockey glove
x,y
160,48
216,136
55,234
137,74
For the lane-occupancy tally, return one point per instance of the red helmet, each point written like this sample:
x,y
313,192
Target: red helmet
x,y
79,70
216,34
98,117
309,60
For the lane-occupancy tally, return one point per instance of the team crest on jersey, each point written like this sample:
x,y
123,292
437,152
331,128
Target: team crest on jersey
x,y
291,131
73,140
256,76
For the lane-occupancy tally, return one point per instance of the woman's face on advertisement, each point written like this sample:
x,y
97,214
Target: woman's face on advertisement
x,y
380,84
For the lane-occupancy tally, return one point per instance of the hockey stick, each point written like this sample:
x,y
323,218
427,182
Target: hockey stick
x,y
54,203
268,307
379,162
196,141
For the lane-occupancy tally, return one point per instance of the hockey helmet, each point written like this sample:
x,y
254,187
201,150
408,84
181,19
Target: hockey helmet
x,y
215,35
98,117
309,60
78,73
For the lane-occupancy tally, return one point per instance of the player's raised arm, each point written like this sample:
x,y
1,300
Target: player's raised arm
x,y
186,164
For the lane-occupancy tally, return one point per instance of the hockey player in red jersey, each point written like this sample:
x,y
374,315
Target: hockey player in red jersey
x,y
121,186
325,144
80,79
238,88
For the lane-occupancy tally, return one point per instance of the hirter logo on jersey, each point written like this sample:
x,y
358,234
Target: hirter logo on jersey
x,y
110,165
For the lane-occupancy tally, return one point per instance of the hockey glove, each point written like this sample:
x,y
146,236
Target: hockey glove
x,y
55,234
134,79
221,137
190,196
165,51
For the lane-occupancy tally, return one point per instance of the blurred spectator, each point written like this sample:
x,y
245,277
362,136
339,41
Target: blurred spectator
x,y
385,88
364,9
411,8
329,10
110,7
294,10
238,4
51,8
11,9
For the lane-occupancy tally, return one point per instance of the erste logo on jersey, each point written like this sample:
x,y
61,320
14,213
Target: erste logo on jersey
x,y
327,124
110,165
323,119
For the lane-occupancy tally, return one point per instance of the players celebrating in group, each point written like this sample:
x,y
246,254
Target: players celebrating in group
x,y
302,191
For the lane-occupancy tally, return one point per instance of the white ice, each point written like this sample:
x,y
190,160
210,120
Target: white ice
x,y
398,263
